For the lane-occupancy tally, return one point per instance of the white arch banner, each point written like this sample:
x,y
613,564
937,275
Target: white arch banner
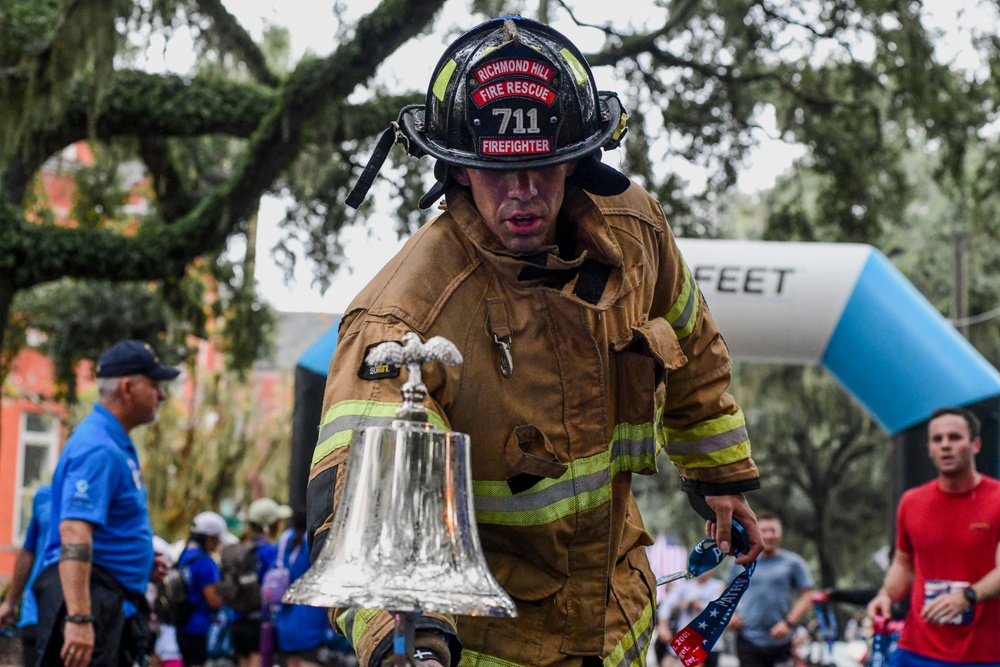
x,y
846,307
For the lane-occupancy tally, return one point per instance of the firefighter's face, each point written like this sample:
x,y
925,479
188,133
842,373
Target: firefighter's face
x,y
519,207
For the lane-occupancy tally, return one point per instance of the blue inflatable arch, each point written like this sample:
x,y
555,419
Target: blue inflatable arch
x,y
847,308
842,306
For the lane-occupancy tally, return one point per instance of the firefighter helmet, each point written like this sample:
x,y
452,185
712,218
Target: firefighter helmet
x,y
513,93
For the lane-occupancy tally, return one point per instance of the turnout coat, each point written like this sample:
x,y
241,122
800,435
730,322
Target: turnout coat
x,y
613,358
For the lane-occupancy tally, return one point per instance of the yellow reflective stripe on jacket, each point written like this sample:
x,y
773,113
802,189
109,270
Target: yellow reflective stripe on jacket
x,y
684,313
710,443
629,652
343,418
585,485
352,623
636,446
632,648
474,659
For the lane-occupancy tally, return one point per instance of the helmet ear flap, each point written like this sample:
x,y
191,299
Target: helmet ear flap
x,y
611,107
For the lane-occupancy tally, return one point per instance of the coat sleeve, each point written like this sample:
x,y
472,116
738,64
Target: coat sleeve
x,y
703,427
358,397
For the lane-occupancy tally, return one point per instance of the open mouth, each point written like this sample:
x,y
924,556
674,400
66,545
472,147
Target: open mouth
x,y
522,220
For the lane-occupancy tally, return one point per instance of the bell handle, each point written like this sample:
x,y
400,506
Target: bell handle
x,y
403,640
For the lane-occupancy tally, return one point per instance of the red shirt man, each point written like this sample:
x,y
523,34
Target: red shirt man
x,y
948,554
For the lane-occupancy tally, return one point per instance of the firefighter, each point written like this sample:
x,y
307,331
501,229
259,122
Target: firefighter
x,y
588,350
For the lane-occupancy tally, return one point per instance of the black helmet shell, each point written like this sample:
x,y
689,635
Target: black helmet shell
x,y
513,93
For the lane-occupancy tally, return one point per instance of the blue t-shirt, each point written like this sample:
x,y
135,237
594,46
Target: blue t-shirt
x,y
98,480
299,627
38,529
267,555
774,587
203,571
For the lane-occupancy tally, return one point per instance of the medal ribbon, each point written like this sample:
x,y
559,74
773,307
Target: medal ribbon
x,y
880,643
825,618
695,640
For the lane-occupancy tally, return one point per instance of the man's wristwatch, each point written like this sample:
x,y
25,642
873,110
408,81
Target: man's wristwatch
x,y
970,594
79,618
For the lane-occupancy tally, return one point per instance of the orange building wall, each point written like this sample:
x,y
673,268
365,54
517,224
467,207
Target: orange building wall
x,y
29,387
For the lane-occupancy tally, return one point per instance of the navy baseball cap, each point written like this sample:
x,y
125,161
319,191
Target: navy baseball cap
x,y
133,357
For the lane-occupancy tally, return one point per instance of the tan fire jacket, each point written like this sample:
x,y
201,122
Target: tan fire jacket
x,y
613,357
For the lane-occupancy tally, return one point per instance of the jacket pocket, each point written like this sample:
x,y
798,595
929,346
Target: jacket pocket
x,y
643,366
530,454
523,580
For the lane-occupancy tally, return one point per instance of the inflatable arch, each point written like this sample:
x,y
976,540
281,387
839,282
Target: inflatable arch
x,y
842,306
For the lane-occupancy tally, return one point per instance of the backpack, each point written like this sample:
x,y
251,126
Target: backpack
x,y
240,585
172,605
277,579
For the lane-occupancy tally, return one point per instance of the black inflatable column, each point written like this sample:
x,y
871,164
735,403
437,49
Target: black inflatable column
x,y
309,388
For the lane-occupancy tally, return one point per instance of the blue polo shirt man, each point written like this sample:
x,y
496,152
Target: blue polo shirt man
x,y
99,552
98,480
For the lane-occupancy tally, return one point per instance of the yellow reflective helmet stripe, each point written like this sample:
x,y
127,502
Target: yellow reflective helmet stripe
x,y
444,76
579,71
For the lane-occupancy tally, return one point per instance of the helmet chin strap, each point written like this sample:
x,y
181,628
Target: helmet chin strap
x,y
375,163
393,134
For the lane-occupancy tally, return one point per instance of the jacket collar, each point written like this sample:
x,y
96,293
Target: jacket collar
x,y
592,275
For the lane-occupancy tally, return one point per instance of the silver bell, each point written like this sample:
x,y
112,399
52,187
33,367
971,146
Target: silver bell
x,y
404,535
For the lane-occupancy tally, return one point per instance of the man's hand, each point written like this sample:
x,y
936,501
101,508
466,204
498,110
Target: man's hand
x,y
78,644
781,630
727,508
7,612
880,605
943,608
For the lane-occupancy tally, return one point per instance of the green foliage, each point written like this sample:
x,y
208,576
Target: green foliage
x,y
825,466
277,48
45,46
215,446
99,195
80,320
